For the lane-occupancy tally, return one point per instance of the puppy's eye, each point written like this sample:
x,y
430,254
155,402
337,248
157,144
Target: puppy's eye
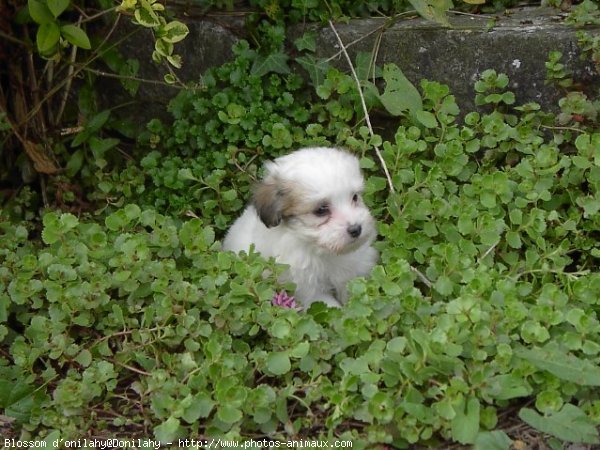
x,y
322,211
355,198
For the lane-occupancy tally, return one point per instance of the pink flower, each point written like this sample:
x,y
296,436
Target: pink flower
x,y
285,301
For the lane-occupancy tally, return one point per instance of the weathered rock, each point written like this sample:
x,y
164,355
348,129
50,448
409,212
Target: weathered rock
x,y
207,45
517,44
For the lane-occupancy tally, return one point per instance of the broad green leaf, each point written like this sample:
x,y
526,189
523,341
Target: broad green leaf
x,y
400,94
278,363
513,239
426,118
76,36
84,358
274,62
569,424
465,425
229,414
443,285
57,7
47,37
201,407
168,431
562,365
300,350
492,440
39,12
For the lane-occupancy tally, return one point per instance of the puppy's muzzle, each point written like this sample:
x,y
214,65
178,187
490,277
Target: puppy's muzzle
x,y
354,230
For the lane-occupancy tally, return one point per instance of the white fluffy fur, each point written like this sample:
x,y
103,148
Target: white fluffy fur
x,y
284,222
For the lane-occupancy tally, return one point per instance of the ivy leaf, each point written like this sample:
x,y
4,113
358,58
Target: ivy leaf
x,y
434,10
569,424
307,41
316,67
399,94
76,36
274,62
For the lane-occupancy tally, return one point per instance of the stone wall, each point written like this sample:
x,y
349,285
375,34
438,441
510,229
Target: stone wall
x,y
516,43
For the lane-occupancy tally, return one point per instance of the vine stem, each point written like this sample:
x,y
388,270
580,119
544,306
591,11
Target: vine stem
x,y
364,106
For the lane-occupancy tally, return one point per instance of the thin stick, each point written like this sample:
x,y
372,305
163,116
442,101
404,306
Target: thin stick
x,y
364,106
420,275
67,90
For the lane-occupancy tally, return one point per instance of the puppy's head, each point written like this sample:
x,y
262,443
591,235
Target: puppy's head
x,y
315,193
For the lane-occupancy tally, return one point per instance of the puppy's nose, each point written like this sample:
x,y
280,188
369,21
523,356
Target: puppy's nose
x,y
354,230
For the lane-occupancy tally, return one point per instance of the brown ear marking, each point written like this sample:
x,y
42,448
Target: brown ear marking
x,y
269,201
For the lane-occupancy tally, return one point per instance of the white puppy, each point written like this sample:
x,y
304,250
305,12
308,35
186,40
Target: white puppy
x,y
307,212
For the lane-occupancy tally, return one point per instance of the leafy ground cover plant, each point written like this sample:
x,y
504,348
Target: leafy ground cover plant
x,y
137,324
132,322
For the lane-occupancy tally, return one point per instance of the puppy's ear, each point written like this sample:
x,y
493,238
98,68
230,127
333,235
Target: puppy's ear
x,y
269,202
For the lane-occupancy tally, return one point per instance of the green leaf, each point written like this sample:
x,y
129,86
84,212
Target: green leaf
x,y
465,425
513,239
76,36
145,15
316,67
278,363
98,121
229,414
562,365
307,41
47,37
434,10
75,162
426,118
443,285
168,431
57,7
399,94
274,62
300,350
569,424
39,12
201,407
84,358
492,440
100,146
174,32
280,328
